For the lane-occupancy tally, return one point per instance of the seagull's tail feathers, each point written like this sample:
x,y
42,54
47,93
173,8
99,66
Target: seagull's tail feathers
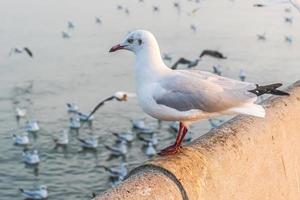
x,y
250,109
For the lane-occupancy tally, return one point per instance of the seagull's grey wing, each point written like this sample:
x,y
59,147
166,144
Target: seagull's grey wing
x,y
28,51
187,90
30,193
99,105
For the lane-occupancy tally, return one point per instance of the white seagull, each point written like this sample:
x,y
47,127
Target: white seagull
x,y
72,107
185,95
20,113
21,139
62,138
150,149
90,143
32,126
40,193
74,123
31,158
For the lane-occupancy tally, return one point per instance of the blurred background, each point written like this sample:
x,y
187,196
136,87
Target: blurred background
x,y
75,66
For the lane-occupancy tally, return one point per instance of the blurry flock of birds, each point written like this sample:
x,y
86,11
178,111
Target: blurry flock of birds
x,y
142,132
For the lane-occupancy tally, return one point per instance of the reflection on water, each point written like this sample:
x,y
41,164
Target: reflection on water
x,y
79,69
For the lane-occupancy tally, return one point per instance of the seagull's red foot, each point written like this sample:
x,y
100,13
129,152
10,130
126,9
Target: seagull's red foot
x,y
171,150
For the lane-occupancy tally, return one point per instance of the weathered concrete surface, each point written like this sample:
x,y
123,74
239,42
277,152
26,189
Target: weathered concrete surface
x,y
247,158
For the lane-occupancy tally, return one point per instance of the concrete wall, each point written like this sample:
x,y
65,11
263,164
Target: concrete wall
x,y
247,158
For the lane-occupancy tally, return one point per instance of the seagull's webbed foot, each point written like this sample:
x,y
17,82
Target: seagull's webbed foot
x,y
171,150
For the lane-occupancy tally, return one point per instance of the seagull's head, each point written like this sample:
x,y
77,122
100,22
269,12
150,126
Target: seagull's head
x,y
43,187
121,96
137,41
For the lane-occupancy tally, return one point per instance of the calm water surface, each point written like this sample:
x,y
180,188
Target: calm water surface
x,y
81,70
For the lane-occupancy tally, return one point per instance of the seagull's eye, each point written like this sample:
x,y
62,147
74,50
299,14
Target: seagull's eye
x,y
140,41
130,41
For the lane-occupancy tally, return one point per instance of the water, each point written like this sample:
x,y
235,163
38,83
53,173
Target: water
x,y
81,70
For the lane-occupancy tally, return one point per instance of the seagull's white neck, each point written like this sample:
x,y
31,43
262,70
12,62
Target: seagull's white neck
x,y
149,64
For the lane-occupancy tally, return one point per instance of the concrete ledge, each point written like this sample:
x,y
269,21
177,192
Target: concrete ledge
x,y
247,158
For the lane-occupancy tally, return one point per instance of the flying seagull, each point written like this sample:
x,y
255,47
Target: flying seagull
x,y
212,53
184,61
187,95
119,96
21,50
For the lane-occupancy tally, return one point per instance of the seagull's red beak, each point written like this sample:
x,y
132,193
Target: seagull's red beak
x,y
116,48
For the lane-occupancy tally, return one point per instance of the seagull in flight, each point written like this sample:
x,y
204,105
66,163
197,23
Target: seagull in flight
x,y
17,50
119,96
187,95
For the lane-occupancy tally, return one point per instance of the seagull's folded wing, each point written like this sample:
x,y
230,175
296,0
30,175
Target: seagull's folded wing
x,y
193,89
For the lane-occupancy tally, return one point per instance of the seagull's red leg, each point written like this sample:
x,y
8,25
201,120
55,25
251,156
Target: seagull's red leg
x,y
175,147
184,131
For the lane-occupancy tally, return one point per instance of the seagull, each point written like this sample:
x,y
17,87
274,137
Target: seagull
x,y
85,117
17,50
98,20
150,149
20,113
167,57
32,126
62,139
217,70
242,75
31,158
287,10
153,139
118,150
259,5
71,25
127,136
212,53
127,11
21,139
288,39
72,107
261,36
187,95
214,122
193,12
89,143
184,61
74,123
139,124
116,173
119,96
155,9
40,193
177,6
66,35
193,28
119,7
288,20
141,128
